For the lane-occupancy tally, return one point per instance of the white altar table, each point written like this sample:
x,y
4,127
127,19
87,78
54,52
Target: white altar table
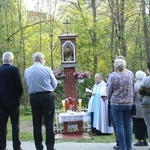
x,y
72,118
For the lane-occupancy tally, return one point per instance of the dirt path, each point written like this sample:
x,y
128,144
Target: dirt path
x,y
26,126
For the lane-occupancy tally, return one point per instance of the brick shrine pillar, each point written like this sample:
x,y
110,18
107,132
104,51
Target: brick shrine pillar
x,y
68,62
70,84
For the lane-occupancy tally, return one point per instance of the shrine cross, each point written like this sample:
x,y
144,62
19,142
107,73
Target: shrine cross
x,y
67,25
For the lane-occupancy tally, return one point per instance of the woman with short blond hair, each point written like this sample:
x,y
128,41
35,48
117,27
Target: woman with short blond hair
x,y
120,95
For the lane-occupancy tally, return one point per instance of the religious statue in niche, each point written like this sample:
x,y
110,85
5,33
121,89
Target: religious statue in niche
x,y
68,54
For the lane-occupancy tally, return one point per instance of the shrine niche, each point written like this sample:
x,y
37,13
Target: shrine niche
x,y
68,52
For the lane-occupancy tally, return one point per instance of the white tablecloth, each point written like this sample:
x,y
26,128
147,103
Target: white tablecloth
x,y
72,116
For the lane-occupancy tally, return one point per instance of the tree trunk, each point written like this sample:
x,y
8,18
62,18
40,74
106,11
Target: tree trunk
x,y
146,31
94,38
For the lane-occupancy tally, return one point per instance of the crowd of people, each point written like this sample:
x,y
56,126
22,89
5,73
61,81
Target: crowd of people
x,y
122,92
110,103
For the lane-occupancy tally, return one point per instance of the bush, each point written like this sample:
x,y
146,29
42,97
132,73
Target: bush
x,y
25,110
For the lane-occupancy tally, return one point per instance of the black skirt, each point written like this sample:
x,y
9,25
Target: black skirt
x,y
139,128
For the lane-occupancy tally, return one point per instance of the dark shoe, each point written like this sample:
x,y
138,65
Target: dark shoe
x,y
145,143
138,144
116,147
51,149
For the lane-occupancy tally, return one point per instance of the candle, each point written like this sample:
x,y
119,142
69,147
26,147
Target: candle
x,y
80,101
63,103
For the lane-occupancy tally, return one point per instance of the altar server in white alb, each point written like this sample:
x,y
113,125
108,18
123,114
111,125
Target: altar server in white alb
x,y
98,107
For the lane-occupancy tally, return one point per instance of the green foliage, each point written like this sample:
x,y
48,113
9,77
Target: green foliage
x,y
25,111
59,95
81,94
93,26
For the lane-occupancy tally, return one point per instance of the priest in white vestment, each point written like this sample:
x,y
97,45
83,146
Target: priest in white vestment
x,y
98,107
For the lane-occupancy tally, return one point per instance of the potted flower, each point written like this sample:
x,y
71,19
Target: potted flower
x,y
59,75
80,76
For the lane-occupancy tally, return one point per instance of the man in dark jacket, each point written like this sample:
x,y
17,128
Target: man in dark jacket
x,y
10,94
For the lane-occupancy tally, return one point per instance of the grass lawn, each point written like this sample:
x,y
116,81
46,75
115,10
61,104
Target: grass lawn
x,y
26,133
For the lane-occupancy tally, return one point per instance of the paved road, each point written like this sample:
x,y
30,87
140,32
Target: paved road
x,y
74,146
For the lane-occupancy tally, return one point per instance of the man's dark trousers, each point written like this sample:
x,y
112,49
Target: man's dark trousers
x,y
43,105
13,113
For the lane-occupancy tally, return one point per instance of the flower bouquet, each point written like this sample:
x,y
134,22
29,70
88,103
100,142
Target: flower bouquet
x,y
59,74
81,75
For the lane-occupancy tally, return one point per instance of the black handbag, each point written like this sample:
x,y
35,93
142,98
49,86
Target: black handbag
x,y
133,110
